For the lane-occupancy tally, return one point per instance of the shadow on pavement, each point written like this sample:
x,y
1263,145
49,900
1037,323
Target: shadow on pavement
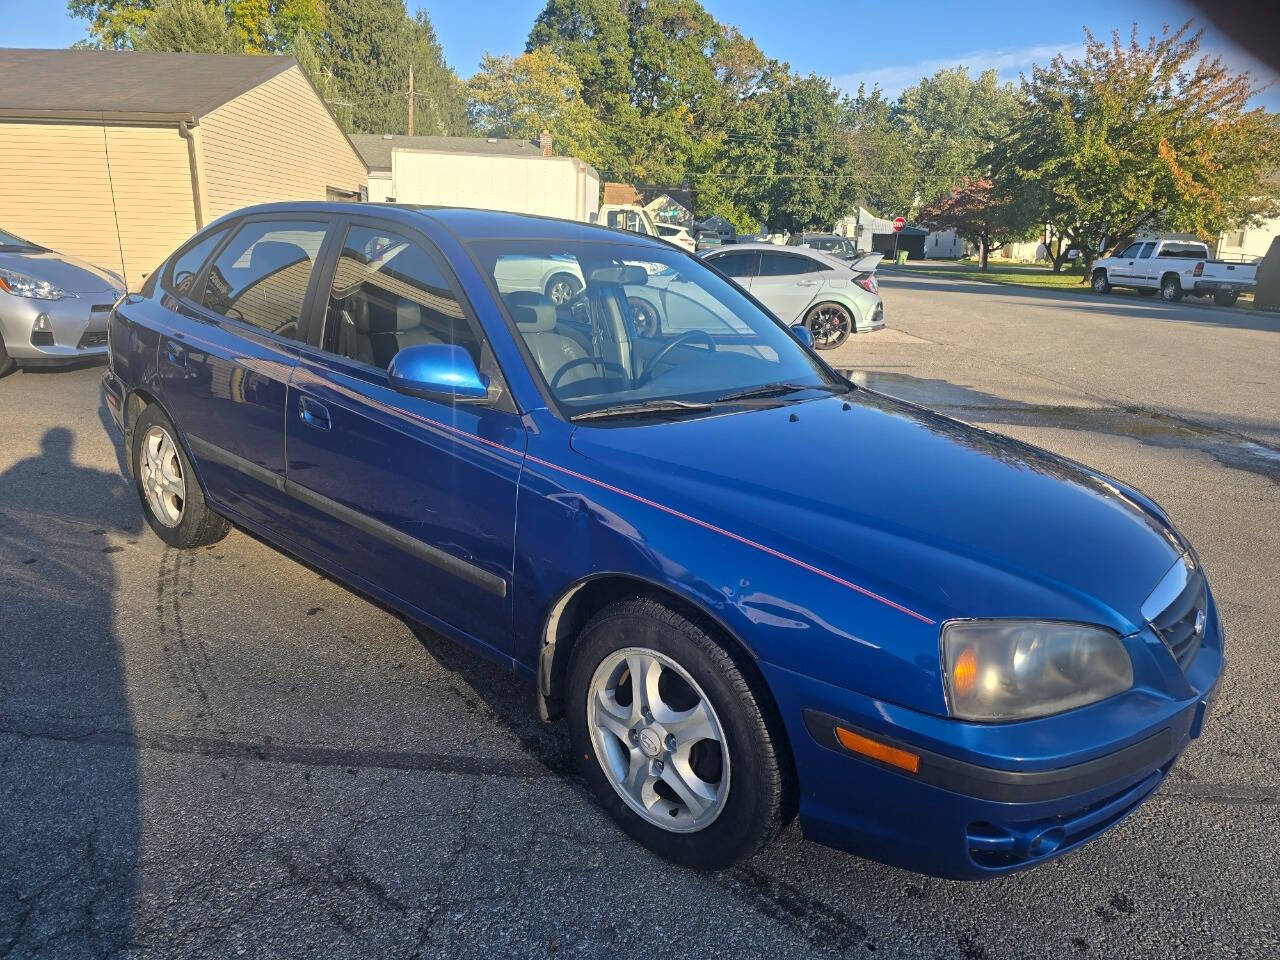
x,y
69,830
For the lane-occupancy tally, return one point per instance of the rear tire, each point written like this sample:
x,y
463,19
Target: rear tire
x,y
172,500
1225,299
1100,283
830,324
1170,289
7,363
637,744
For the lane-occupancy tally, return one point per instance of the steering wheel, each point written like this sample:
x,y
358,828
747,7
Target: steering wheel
x,y
647,374
580,361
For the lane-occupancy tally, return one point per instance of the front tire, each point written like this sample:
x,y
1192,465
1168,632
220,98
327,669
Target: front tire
x,y
1170,289
1100,283
830,325
562,288
172,500
673,737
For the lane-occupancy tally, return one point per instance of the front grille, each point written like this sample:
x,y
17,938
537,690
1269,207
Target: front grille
x,y
1181,624
94,338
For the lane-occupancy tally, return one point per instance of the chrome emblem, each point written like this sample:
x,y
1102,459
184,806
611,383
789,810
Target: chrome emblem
x,y
1200,619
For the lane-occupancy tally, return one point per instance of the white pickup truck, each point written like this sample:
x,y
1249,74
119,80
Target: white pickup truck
x,y
1175,268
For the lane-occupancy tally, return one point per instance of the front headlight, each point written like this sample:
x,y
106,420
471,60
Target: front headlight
x,y
997,670
21,285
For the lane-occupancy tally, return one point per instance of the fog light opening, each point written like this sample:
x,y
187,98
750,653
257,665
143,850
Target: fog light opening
x,y
1046,842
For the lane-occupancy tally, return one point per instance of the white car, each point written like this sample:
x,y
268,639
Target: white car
x,y
676,234
1175,268
830,296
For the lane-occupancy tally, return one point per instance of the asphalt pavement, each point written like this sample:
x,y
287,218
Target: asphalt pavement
x,y
221,753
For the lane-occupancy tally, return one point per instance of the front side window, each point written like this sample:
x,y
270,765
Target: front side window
x,y
388,294
644,325
261,275
186,265
1146,251
1131,251
740,266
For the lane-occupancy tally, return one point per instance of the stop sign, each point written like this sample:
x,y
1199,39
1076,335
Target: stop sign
x,y
899,223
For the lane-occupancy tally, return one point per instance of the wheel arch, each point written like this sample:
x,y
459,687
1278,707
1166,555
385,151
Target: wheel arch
x,y
135,402
1177,278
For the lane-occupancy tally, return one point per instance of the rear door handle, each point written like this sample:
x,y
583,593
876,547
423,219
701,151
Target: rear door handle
x,y
808,283
175,355
313,414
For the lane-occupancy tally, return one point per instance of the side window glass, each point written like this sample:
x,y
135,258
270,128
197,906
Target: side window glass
x,y
737,265
782,265
1131,251
261,276
1146,251
388,294
185,267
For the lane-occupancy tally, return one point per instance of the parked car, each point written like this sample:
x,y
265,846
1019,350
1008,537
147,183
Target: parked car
x,y
830,296
707,240
1175,268
750,587
53,309
674,233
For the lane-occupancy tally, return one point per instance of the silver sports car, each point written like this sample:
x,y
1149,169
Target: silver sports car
x,y
53,309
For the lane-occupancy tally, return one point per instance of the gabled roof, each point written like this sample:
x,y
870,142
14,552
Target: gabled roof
x,y
84,84
376,148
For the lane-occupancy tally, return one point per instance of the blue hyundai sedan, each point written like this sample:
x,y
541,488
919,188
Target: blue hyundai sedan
x,y
651,499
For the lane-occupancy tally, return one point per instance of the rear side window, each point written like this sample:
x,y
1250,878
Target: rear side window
x,y
261,276
786,265
185,267
737,265
388,294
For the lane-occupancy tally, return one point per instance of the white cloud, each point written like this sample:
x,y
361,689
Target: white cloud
x,y
895,78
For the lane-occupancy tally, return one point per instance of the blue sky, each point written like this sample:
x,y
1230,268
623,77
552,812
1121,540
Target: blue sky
x,y
891,44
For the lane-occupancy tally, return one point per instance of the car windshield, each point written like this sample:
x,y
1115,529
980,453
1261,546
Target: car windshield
x,y
614,325
11,241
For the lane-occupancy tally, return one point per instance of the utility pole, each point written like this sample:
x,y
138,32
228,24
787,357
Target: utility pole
x,y
411,100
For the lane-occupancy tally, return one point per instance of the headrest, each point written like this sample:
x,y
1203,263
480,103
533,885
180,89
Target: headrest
x,y
356,308
633,275
268,256
532,312
408,315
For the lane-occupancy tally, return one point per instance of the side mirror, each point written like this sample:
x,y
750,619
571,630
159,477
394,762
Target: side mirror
x,y
438,371
801,333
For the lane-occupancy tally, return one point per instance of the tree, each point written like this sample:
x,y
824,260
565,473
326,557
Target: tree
x,y
367,47
1134,136
522,96
262,26
950,120
190,26
982,213
885,175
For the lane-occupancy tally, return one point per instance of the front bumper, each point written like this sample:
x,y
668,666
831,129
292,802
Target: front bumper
x,y
987,799
79,328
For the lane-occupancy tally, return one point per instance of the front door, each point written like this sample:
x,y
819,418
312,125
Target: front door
x,y
226,359
414,496
787,283
1126,267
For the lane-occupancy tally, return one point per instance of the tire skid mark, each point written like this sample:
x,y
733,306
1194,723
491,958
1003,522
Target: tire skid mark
x,y
314,755
185,670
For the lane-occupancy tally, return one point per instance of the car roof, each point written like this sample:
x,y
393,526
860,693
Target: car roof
x,y
820,256
464,222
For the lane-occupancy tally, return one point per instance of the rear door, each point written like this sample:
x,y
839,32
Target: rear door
x,y
787,283
415,497
227,361
1145,272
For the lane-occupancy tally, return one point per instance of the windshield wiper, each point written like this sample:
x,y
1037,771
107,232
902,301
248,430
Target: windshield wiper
x,y
642,409
777,390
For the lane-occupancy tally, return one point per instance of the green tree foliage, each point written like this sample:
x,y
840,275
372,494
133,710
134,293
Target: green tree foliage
x,y
1135,135
885,170
950,120
522,96
367,48
190,26
260,26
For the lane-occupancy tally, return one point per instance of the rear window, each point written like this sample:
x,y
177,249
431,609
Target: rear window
x,y
1193,251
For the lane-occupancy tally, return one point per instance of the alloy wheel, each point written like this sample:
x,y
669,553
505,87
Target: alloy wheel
x,y
561,291
658,739
830,325
160,473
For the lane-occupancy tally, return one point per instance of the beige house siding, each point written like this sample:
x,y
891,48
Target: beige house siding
x,y
275,142
58,181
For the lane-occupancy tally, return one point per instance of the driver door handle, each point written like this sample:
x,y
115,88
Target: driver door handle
x,y
313,414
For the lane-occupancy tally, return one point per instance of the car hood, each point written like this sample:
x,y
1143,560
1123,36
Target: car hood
x,y
66,273
940,516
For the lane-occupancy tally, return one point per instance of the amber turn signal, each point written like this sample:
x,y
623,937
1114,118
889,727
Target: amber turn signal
x,y
902,759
